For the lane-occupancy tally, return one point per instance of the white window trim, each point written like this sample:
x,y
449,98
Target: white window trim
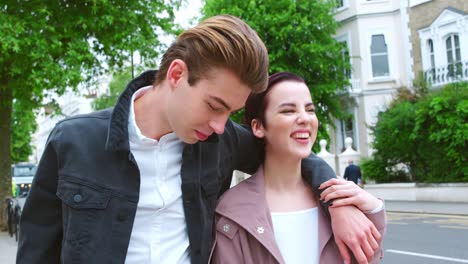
x,y
444,39
365,2
389,43
344,7
431,53
338,132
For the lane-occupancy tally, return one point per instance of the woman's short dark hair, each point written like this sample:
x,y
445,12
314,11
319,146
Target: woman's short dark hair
x,y
257,103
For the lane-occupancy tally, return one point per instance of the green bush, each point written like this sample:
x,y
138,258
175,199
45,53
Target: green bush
x,y
373,169
422,138
442,121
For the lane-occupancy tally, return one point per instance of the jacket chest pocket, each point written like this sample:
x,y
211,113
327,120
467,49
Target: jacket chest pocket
x,y
83,214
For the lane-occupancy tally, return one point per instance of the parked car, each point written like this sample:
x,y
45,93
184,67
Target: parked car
x,y
22,175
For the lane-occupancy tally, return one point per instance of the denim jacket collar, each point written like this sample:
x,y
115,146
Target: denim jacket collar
x,y
117,135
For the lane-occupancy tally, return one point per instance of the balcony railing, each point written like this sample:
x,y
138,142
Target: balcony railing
x,y
450,73
354,86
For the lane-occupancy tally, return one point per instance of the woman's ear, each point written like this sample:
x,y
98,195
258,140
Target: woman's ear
x,y
257,128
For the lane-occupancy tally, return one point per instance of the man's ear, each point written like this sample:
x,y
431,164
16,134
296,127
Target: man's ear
x,y
257,128
176,72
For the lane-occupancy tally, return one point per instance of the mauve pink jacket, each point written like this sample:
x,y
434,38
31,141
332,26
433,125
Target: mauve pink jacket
x,y
244,229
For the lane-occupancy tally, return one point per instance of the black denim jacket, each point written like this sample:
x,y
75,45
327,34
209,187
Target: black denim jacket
x,y
84,197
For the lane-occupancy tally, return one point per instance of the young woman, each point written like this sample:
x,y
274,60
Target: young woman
x,y
273,216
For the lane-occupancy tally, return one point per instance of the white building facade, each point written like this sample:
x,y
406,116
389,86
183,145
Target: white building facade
x,y
444,58
390,43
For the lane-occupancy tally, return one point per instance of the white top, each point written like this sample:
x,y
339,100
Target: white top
x,y
296,235
159,233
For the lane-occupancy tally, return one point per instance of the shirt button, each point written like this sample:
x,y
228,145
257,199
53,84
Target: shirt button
x,y
77,198
226,228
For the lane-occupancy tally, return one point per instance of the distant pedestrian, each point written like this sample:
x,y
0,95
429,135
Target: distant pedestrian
x,y
353,173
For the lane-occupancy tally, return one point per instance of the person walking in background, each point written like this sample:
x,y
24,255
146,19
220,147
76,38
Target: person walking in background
x,y
273,217
353,173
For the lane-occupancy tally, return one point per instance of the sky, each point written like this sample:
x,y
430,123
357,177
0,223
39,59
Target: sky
x,y
189,10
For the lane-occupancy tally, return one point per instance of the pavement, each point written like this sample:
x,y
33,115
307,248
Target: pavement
x,y
8,244
8,248
444,208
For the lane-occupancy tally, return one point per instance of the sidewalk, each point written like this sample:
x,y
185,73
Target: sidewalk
x,y
427,207
8,248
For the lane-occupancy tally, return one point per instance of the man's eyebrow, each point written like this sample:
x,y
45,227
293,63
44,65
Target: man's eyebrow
x,y
221,102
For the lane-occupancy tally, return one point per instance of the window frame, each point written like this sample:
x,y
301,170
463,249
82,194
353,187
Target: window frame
x,y
453,53
387,53
346,40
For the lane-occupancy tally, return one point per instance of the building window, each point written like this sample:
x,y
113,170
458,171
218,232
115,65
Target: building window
x,y
340,4
430,45
346,58
379,56
454,65
347,129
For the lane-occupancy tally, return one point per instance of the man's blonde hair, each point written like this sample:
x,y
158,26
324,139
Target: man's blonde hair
x,y
222,41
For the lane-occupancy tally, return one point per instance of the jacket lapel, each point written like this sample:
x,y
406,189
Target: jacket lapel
x,y
251,212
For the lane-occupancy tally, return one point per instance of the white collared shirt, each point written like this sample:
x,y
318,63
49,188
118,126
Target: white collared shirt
x,y
159,233
296,234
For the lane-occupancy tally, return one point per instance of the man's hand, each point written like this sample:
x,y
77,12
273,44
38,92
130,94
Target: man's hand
x,y
353,230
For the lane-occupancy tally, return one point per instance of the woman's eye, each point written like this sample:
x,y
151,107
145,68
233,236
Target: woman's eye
x,y
287,111
312,110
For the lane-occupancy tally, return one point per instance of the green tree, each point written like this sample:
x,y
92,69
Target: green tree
x,y
427,132
50,45
23,124
116,86
441,121
392,143
299,38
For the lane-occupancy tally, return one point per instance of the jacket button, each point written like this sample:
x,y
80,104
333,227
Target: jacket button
x,y
77,198
121,216
226,228
260,229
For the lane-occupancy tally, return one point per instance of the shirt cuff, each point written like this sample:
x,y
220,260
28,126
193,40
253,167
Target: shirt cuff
x,y
379,208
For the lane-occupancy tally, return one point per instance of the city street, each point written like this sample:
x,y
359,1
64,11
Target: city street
x,y
426,239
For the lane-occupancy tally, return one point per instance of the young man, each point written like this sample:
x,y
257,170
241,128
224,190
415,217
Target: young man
x,y
138,183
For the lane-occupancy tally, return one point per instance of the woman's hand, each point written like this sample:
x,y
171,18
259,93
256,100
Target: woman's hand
x,y
344,192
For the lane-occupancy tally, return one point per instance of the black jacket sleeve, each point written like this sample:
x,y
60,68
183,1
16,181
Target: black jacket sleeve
x,y
41,228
